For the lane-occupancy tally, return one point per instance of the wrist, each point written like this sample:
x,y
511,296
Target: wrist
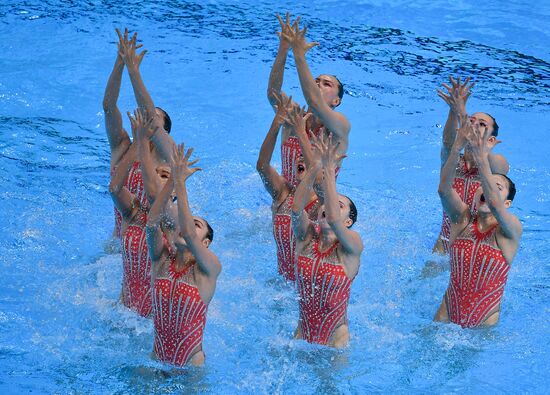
x,y
298,52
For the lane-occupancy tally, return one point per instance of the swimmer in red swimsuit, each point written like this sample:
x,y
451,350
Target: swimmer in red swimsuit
x,y
184,270
323,94
119,140
136,279
328,254
483,244
466,179
281,191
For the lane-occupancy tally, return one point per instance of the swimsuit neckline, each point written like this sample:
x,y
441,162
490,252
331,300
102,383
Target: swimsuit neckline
x,y
480,234
327,252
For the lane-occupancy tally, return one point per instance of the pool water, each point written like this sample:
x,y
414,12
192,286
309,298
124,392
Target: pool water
x,y
61,330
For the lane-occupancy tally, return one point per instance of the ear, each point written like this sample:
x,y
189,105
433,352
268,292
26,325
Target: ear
x,y
336,102
348,222
507,203
206,242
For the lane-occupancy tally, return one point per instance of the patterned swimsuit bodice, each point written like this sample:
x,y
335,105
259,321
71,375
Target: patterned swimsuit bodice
x,y
136,264
466,183
179,315
324,291
284,235
479,273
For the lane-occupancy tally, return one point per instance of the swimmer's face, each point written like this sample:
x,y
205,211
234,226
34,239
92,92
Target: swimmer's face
x,y
329,89
485,124
344,204
502,186
201,228
300,168
163,172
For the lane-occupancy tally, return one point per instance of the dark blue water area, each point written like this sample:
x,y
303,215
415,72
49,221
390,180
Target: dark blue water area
x,y
61,330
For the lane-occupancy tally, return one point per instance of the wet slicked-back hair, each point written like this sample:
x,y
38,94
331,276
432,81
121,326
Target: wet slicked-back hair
x,y
511,187
340,88
167,121
209,232
352,211
495,125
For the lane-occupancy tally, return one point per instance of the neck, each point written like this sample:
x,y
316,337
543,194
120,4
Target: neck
x,y
184,257
326,239
485,221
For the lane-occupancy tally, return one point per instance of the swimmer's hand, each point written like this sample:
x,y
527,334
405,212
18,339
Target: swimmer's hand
x,y
458,94
478,140
127,49
463,132
297,118
181,166
328,152
142,125
283,106
286,29
297,39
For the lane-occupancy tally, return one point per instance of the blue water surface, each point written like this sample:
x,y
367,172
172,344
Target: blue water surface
x,y
61,330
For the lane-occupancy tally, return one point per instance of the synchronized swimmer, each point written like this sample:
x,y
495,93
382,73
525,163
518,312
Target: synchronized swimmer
x,y
169,271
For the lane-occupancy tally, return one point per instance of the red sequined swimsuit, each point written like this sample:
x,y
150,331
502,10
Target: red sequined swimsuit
x,y
179,315
466,183
290,154
324,290
134,183
136,265
478,275
284,236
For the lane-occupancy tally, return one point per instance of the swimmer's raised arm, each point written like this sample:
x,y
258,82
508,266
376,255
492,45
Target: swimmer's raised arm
x,y
456,97
453,205
142,128
349,239
273,182
124,200
208,263
127,49
510,226
297,119
336,122
301,224
277,71
118,137
155,241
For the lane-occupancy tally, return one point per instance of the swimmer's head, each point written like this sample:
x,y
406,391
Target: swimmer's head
x,y
348,212
331,88
167,122
163,171
204,230
506,190
300,170
488,122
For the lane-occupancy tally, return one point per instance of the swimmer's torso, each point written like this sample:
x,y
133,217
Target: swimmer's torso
x,y
466,183
136,279
284,236
324,290
179,314
478,275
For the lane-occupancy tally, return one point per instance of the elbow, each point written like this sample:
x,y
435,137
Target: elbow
x,y
113,188
107,104
259,166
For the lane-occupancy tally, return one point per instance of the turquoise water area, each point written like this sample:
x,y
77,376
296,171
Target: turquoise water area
x,y
61,330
